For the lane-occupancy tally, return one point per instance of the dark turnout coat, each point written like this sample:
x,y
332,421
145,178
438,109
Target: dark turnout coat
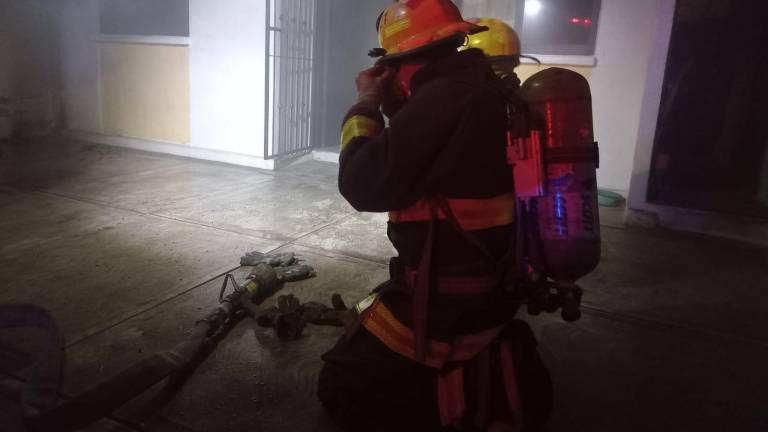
x,y
448,140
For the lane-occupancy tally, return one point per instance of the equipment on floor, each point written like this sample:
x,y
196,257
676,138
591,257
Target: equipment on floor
x,y
606,198
554,160
289,317
267,277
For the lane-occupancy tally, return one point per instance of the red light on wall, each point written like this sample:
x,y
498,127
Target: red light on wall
x,y
579,21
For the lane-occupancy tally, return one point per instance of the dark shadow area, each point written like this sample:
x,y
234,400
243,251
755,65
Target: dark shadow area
x,y
710,150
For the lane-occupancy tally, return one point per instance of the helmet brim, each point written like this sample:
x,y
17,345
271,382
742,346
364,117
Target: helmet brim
x,y
456,35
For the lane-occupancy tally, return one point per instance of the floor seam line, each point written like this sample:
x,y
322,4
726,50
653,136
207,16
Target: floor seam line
x,y
678,327
149,308
343,254
138,212
89,201
337,221
198,224
161,303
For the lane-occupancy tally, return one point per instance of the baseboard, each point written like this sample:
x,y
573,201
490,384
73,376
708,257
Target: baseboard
x,y
325,156
739,228
182,150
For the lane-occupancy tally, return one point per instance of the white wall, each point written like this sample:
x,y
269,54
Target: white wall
x,y
6,127
646,135
79,63
227,75
5,50
226,71
26,63
625,41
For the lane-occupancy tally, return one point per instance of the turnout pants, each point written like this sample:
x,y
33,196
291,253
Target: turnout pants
x,y
365,386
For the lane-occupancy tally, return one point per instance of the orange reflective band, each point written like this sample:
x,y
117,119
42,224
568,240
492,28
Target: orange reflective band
x,y
380,322
394,28
399,338
358,126
471,214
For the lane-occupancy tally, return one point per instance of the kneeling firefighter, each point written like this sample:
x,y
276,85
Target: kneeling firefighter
x,y
435,347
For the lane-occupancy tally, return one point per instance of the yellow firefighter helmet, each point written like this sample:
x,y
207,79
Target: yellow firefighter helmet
x,y
499,41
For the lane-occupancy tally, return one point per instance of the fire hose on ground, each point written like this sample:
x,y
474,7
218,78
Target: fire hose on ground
x,y
269,274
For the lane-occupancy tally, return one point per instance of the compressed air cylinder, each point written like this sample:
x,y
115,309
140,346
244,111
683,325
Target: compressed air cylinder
x,y
565,220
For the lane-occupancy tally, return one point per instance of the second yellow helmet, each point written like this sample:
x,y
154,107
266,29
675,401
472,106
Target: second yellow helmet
x,y
499,41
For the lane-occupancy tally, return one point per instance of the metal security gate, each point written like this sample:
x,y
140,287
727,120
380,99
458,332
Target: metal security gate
x,y
290,51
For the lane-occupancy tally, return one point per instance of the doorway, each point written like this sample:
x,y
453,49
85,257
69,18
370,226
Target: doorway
x,y
346,32
711,145
291,27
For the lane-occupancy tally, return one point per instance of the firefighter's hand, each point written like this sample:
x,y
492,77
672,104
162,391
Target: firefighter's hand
x,y
372,85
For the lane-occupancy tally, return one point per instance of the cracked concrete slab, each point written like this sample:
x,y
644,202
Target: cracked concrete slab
x,y
149,191
283,208
321,171
361,235
684,279
253,381
78,161
94,266
611,375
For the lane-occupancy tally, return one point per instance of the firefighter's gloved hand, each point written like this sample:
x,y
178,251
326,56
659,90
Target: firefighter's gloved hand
x,y
274,260
372,85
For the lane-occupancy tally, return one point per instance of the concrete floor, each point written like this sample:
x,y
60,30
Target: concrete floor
x,y
127,249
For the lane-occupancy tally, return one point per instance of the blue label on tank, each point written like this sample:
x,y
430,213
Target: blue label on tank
x,y
560,183
561,214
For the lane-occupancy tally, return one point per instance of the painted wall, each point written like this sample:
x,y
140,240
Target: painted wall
x,y
127,89
227,75
26,63
209,95
625,42
6,119
145,91
5,50
80,65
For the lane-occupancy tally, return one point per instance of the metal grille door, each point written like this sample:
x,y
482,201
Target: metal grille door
x,y
290,42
